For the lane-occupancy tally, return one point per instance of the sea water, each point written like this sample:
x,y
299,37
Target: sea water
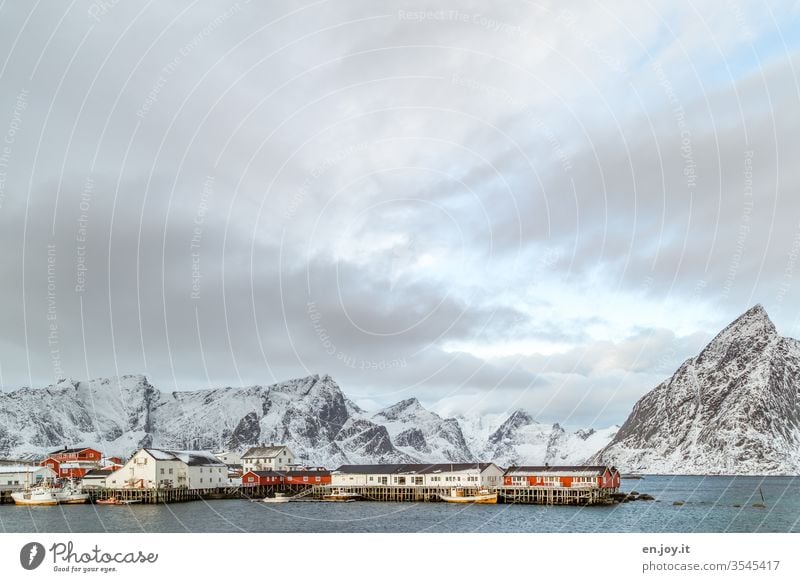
x,y
709,504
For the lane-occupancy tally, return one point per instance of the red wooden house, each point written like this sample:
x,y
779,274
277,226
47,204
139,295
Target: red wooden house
x,y
579,476
283,478
73,463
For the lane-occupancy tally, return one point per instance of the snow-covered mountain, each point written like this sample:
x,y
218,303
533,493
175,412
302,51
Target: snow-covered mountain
x,y
312,415
424,434
733,409
519,439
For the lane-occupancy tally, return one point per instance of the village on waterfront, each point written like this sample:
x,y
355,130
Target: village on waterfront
x,y
271,474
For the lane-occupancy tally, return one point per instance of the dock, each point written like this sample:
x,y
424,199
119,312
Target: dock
x,y
507,495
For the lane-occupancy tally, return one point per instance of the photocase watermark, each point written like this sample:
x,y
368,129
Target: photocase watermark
x,y
67,559
318,171
6,148
330,347
741,21
53,342
100,8
568,18
503,96
788,271
197,235
403,257
31,555
169,69
744,224
667,360
82,235
689,165
473,18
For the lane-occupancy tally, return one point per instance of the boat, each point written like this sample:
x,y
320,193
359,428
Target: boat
x,y
117,501
460,495
341,495
39,495
70,494
279,498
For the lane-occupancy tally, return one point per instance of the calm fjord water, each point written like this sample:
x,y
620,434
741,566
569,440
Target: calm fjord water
x,y
709,506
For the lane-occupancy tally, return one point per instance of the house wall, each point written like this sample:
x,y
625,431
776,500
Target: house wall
x,y
26,477
230,458
348,479
546,480
140,469
492,476
84,455
207,477
279,463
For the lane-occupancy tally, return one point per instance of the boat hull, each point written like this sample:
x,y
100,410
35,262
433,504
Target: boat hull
x,y
19,499
72,498
489,499
345,497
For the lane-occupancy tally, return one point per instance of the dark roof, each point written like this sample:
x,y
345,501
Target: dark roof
x,y
599,469
410,468
290,473
98,473
191,458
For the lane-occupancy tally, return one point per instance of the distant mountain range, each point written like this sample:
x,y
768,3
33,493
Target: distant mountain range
x,y
311,415
733,409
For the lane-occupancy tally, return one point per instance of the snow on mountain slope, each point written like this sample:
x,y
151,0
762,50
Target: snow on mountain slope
x,y
733,409
520,440
312,415
424,434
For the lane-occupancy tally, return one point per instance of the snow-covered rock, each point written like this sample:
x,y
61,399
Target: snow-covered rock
x,y
311,415
733,409
423,434
520,440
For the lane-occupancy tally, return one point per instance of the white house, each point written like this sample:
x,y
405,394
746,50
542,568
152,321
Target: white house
x,y
95,479
229,457
156,468
271,458
18,476
478,475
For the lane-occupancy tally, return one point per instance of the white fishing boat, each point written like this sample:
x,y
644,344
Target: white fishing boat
x,y
39,495
71,493
339,494
279,498
461,495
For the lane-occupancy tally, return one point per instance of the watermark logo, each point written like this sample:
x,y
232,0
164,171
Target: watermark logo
x,y
31,555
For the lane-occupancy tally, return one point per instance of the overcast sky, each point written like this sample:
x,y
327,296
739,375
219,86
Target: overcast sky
x,y
544,205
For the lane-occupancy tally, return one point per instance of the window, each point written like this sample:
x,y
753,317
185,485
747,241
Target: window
x,y
201,479
249,479
162,470
317,479
170,471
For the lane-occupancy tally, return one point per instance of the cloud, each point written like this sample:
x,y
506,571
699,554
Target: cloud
x,y
481,206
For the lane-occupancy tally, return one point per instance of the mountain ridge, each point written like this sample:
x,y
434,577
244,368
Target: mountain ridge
x,y
310,414
732,409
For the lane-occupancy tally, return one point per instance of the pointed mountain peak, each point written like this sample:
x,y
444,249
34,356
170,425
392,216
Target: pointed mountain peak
x,y
752,323
519,418
402,408
756,316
